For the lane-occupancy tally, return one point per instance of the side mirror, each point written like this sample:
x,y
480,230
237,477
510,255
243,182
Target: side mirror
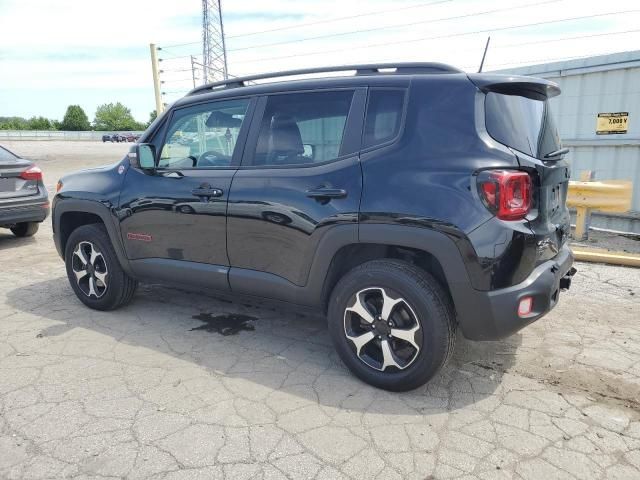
x,y
309,150
143,156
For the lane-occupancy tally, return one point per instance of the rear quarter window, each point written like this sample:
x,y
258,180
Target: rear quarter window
x,y
384,115
521,123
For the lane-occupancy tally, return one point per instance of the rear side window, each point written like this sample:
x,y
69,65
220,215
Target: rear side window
x,y
384,115
521,123
302,128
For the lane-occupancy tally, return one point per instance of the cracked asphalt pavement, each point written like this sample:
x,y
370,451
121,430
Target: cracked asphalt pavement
x,y
179,385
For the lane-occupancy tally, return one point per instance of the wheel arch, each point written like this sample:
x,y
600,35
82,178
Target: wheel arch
x,y
429,249
69,214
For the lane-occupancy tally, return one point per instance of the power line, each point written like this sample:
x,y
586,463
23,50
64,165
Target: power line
x,y
338,19
176,80
538,61
173,58
450,35
421,22
170,70
533,42
566,38
330,20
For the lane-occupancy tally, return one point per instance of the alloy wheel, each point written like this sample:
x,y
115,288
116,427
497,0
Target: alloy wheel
x,y
382,328
90,269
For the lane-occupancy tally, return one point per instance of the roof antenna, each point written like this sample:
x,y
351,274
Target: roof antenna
x,y
486,47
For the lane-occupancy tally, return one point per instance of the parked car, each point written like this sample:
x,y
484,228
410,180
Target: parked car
x,y
24,201
131,137
116,137
402,203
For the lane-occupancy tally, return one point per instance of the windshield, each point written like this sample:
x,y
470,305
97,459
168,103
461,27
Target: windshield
x,y
522,123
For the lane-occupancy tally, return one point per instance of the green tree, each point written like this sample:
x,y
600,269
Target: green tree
x,y
13,123
115,116
39,123
75,119
152,117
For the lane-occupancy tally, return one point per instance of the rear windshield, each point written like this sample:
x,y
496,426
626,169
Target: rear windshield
x,y
6,155
521,123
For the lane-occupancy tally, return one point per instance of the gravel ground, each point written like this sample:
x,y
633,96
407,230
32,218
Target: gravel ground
x,y
176,385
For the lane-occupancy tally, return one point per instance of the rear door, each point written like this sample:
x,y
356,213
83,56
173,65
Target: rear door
x,y
300,178
12,184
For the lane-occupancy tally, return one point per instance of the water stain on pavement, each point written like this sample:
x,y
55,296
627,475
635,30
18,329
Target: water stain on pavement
x,y
225,324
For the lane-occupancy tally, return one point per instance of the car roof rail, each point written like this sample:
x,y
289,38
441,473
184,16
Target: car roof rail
x,y
366,69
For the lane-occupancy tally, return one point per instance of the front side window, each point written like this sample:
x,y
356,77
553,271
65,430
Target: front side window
x,y
302,128
203,135
522,123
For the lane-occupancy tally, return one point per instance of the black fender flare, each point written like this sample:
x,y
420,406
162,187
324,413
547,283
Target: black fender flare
x,y
104,212
472,307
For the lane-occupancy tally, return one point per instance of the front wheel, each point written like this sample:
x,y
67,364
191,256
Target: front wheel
x,y
392,324
94,271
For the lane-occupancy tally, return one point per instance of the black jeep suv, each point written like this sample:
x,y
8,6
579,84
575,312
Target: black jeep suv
x,y
404,201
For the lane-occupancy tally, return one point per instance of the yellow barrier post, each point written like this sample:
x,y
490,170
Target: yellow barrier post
x,y
583,214
608,196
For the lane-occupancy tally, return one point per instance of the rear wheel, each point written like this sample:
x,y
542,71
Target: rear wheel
x,y
94,271
392,324
25,229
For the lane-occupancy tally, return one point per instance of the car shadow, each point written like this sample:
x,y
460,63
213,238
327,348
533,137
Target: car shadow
x,y
9,240
266,345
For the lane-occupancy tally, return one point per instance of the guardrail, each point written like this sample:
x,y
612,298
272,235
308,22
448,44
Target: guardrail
x,y
612,196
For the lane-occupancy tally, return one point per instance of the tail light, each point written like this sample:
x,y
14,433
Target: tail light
x,y
506,193
33,173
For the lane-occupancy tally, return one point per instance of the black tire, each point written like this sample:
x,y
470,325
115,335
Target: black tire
x,y
119,287
424,299
25,229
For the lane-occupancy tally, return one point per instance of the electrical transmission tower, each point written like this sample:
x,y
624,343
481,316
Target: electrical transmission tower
x,y
214,53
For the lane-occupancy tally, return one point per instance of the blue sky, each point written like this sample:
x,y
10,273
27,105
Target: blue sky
x,y
56,53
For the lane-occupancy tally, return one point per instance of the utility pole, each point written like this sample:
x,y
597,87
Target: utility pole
x,y
156,78
214,51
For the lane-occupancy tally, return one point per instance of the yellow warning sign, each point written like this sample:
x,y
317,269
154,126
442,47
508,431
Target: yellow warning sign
x,y
612,123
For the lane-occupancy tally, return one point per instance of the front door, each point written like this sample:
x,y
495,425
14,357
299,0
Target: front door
x,y
177,214
300,178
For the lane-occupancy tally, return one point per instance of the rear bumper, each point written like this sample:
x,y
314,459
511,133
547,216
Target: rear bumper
x,y
492,315
32,210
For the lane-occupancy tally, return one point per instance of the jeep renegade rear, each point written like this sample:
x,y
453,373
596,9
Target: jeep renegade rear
x,y
404,201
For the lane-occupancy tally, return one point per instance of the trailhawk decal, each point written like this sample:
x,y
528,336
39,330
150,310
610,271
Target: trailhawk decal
x,y
143,237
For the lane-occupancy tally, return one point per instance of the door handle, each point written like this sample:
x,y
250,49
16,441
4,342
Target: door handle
x,y
207,192
322,193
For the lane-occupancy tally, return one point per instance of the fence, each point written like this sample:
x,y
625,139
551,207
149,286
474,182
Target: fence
x,y
52,135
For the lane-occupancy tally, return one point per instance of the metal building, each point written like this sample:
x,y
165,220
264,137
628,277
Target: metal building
x,y
598,116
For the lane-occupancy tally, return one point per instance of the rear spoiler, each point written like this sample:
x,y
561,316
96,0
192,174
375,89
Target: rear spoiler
x,y
530,87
